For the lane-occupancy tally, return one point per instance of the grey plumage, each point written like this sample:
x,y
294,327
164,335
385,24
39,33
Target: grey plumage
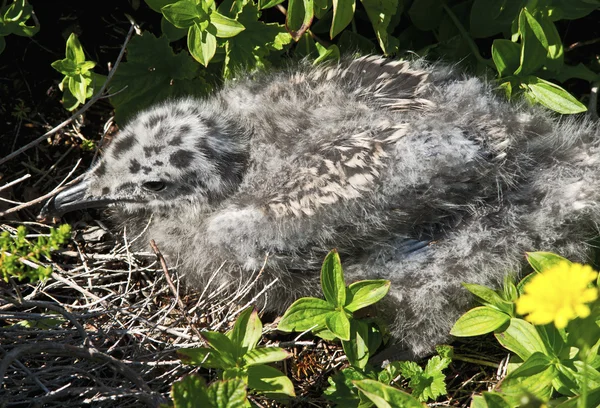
x,y
416,173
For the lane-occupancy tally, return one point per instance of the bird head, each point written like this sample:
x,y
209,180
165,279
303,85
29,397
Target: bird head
x,y
184,151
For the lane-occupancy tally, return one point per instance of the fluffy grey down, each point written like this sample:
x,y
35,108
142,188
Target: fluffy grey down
x,y
414,172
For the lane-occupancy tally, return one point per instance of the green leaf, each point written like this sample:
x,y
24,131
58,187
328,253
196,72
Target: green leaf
x,y
205,357
555,51
157,5
269,380
252,49
478,321
521,338
78,87
226,394
540,261
356,349
299,17
202,44
343,12
322,7
265,4
534,44
183,14
384,396
575,9
426,14
490,17
506,56
380,13
65,66
331,53
553,96
264,355
338,323
226,27
151,74
170,31
578,71
74,50
495,400
535,375
304,314
221,344
364,293
332,280
490,297
247,330
190,392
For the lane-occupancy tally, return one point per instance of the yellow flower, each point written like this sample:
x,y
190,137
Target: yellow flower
x,y
559,294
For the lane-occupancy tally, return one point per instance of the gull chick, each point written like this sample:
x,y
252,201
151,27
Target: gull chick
x,y
414,172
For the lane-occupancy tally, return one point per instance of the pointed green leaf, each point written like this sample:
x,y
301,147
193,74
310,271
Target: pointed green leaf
x,y
540,261
380,13
356,349
535,375
343,12
305,313
384,396
490,17
74,50
299,17
183,14
339,324
332,280
490,297
204,356
78,87
226,27
265,4
534,44
506,56
331,53
221,344
495,400
478,321
521,338
202,44
190,392
553,96
365,293
170,31
269,380
246,331
226,394
264,355
65,66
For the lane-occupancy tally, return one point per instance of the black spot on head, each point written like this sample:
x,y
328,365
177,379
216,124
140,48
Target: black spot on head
x,y
210,123
178,112
105,190
158,163
123,144
176,141
101,169
181,158
153,120
146,170
150,150
134,166
193,111
185,129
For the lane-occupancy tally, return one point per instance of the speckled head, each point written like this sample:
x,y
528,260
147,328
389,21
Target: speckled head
x,y
180,151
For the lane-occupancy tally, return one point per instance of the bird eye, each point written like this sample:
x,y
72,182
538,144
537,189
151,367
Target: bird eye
x,y
154,185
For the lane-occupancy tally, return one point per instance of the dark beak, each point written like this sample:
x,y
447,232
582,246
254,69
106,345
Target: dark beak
x,y
71,199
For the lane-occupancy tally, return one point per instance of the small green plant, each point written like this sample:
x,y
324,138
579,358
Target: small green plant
x,y
19,258
332,317
13,20
556,345
241,364
360,385
79,81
